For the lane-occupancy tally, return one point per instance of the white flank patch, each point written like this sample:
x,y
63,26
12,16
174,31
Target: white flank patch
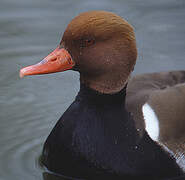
x,y
152,128
151,122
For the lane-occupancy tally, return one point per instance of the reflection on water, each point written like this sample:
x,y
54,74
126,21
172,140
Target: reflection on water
x,y
47,176
50,176
29,30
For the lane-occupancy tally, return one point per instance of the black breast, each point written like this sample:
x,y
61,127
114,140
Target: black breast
x,y
96,138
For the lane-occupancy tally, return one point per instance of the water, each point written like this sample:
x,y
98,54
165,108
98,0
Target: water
x,y
29,30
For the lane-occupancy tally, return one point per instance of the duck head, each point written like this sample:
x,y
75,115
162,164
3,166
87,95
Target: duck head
x,y
99,45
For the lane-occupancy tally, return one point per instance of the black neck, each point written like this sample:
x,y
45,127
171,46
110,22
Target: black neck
x,y
95,97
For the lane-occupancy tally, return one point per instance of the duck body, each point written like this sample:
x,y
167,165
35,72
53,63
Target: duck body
x,y
96,137
104,134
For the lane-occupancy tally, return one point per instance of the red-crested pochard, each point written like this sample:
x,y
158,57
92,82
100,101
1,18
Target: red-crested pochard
x,y
116,128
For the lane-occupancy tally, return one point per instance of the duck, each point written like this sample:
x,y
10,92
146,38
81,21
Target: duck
x,y
118,126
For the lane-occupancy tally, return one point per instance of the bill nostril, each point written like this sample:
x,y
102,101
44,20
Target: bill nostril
x,y
53,59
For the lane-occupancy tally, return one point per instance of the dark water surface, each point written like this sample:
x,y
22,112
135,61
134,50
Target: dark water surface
x,y
29,30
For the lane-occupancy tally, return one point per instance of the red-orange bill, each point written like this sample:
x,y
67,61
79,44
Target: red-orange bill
x,y
57,61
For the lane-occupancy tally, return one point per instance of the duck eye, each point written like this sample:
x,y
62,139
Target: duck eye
x,y
89,42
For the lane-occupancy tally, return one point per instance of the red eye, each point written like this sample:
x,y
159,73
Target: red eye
x,y
89,42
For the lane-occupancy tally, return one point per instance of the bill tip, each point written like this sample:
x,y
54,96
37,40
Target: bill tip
x,y
21,73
